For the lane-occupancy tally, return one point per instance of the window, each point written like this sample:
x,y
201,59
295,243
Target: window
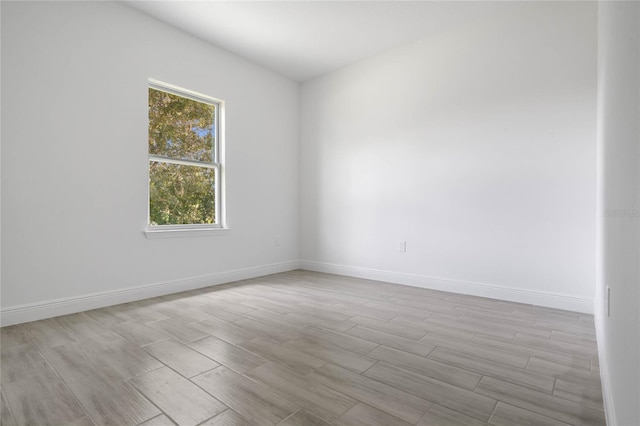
x,y
184,160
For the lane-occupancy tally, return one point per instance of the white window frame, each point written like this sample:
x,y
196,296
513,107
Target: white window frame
x,y
196,229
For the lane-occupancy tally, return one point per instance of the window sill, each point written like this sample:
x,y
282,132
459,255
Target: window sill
x,y
153,233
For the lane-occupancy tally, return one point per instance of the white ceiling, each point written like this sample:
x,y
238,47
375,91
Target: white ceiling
x,y
305,39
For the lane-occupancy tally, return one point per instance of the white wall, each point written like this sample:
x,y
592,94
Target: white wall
x,y
476,146
74,165
619,192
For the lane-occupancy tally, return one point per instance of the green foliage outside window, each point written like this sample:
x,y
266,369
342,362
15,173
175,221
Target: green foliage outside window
x,y
182,129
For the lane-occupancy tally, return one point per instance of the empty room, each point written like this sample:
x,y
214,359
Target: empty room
x,y
312,213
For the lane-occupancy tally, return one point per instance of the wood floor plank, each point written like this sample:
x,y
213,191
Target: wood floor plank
x,y
160,420
100,389
80,321
476,350
342,340
565,327
138,333
48,333
181,358
224,330
140,313
14,335
395,310
275,320
290,316
181,400
492,315
548,315
332,354
82,421
108,316
427,367
179,331
453,397
442,328
218,302
297,361
304,391
229,418
261,304
590,396
464,299
497,370
565,372
391,340
40,400
511,327
6,417
250,399
428,304
329,324
181,314
216,310
555,345
279,333
231,356
474,325
123,357
399,329
540,403
508,415
320,307
310,306
23,361
582,362
363,415
303,418
387,398
443,416
586,339
362,311
508,307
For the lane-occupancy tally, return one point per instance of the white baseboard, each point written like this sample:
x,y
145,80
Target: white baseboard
x,y
550,300
70,305
609,412
605,380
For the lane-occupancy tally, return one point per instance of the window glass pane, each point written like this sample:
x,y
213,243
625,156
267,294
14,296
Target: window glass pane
x,y
180,127
180,195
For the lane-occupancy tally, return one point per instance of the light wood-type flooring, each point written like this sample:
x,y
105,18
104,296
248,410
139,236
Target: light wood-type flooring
x,y
303,348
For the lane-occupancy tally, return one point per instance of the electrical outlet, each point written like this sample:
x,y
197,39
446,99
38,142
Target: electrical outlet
x,y
402,246
608,301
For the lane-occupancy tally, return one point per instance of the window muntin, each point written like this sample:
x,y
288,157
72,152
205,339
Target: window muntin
x,y
184,160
